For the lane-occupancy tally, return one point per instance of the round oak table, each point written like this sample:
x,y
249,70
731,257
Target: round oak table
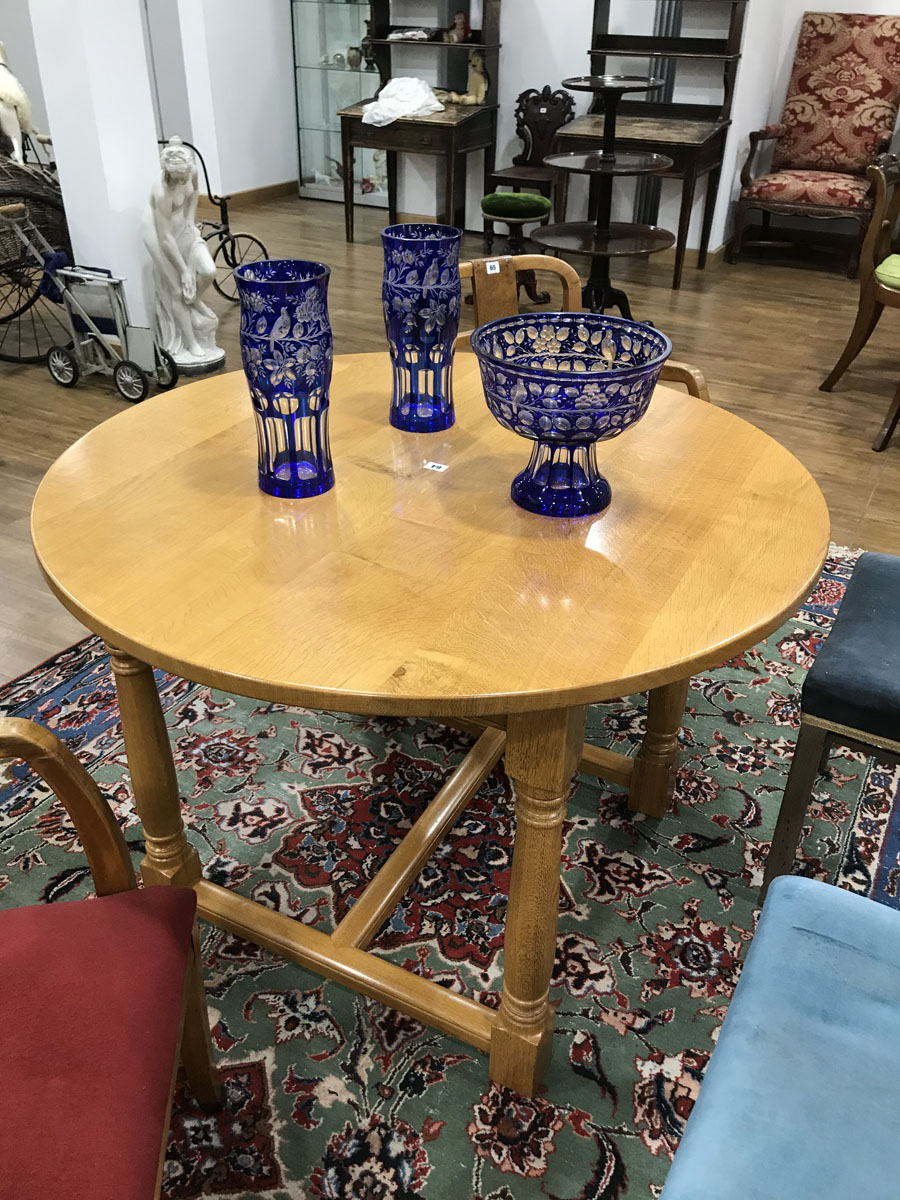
x,y
416,586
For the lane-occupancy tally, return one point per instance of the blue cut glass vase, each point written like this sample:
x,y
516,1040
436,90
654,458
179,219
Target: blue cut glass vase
x,y
567,381
286,349
421,293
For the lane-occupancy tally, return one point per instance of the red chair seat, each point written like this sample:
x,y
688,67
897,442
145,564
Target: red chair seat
x,y
90,1009
831,188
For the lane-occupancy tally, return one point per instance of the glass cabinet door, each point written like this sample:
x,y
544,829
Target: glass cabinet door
x,y
330,74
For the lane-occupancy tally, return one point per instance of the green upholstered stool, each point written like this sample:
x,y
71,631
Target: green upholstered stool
x,y
514,209
888,272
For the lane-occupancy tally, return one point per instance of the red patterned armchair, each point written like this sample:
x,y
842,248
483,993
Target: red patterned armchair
x,y
839,115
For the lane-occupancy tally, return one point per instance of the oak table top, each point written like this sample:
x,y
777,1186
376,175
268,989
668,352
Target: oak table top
x,y
409,590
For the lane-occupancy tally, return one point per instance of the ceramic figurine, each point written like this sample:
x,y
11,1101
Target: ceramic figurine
x,y
459,31
368,49
379,158
183,268
15,108
354,57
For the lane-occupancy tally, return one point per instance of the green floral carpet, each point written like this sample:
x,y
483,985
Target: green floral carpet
x,y
330,1095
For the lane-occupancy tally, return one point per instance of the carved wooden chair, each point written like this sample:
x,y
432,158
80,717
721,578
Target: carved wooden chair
x,y
839,115
879,280
98,1000
495,295
539,116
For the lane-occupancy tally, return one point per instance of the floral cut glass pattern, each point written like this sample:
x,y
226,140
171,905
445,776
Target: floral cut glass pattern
x,y
421,295
567,381
286,349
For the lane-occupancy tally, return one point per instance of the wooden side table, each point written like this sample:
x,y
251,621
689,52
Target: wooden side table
x,y
696,148
452,134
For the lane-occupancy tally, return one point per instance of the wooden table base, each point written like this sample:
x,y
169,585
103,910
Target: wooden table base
x,y
543,751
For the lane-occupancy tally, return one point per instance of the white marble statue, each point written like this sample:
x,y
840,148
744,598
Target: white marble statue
x,y
183,268
15,109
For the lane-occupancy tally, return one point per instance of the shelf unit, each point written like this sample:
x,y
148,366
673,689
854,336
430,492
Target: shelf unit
x,y
321,30
450,65
664,48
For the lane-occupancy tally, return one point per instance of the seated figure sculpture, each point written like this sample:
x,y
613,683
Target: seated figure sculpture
x,y
183,268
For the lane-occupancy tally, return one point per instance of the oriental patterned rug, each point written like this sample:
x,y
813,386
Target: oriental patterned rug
x,y
330,1095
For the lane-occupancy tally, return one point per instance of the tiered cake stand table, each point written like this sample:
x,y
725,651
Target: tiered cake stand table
x,y
603,239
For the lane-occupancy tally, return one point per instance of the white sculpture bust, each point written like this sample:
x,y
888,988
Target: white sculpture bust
x,y
183,268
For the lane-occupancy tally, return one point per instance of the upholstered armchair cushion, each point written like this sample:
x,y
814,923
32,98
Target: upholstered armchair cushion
x,y
888,272
855,680
90,1008
843,93
810,187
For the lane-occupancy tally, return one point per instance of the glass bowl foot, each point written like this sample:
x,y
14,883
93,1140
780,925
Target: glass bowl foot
x,y
561,481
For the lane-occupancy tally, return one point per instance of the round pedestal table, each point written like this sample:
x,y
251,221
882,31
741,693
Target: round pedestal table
x,y
410,590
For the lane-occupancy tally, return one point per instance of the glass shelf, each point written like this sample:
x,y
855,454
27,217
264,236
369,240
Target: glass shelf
x,y
323,28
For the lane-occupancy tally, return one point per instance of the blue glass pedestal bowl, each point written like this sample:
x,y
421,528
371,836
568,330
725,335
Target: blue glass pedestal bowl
x,y
567,381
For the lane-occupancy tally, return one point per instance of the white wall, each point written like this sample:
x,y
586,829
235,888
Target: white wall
x,y
251,76
166,56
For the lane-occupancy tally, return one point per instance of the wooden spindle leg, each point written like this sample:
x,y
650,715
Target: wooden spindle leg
x,y
653,778
170,858
543,751
196,1044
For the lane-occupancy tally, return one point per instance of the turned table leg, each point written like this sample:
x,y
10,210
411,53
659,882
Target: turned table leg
x,y
170,858
542,752
653,777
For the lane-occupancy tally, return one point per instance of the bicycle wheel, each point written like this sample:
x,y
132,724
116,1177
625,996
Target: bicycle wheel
x,y
234,250
30,322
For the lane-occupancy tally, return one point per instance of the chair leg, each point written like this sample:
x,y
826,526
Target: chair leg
x,y
867,318
890,423
737,238
853,264
808,753
528,281
196,1044
488,243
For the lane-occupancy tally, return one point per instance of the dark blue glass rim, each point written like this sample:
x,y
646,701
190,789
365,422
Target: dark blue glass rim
x,y
319,271
590,320
437,232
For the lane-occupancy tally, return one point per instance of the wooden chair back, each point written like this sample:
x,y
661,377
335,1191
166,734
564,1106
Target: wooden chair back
x,y
495,291
539,116
97,828
885,176
860,119
496,294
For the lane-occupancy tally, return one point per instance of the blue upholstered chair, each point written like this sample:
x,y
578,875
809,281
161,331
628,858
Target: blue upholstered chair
x,y
851,696
801,1097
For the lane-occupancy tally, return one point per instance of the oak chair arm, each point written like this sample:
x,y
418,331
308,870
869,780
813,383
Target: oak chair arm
x,y
97,828
692,378
767,133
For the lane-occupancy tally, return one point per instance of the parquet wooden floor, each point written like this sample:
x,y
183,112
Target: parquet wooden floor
x,y
764,333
